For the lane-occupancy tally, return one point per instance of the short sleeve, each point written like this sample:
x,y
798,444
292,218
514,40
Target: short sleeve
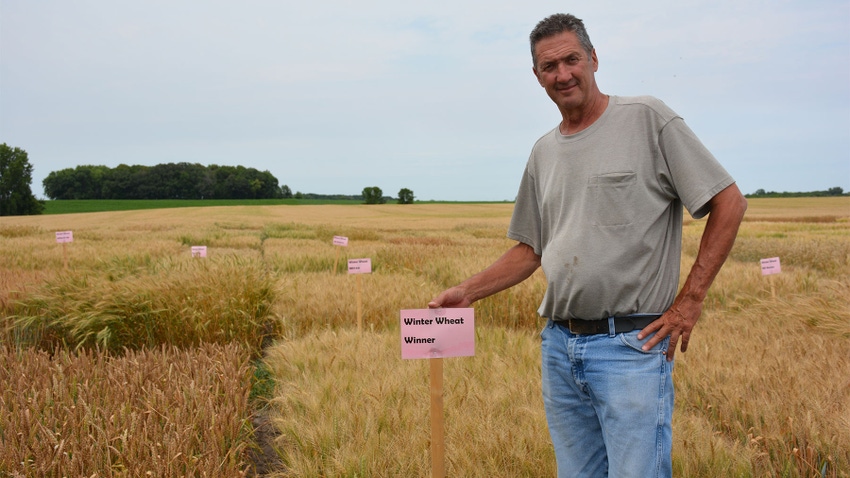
x,y
525,223
696,174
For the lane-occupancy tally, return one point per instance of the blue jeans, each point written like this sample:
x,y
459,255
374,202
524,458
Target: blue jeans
x,y
609,405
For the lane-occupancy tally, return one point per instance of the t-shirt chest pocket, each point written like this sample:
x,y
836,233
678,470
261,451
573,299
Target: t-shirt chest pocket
x,y
612,198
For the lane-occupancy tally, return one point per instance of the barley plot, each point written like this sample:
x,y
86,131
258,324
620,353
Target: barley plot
x,y
136,357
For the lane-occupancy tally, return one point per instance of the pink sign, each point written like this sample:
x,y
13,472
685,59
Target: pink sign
x,y
340,241
770,266
437,333
199,251
360,266
64,236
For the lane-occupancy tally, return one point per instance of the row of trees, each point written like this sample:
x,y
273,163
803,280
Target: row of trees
x,y
181,181
374,195
163,181
761,193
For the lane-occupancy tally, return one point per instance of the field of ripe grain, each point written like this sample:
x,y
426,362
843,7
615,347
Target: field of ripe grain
x,y
121,354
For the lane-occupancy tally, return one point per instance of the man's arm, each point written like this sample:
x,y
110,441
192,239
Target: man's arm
x,y
515,265
726,212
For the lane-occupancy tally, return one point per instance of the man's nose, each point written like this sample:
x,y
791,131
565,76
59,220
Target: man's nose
x,y
563,72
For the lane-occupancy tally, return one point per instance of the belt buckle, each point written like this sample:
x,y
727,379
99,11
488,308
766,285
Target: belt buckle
x,y
583,327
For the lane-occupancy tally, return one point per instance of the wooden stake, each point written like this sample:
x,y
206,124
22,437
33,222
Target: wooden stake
x,y
438,466
65,255
336,260
359,307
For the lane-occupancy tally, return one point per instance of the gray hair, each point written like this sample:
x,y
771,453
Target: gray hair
x,y
559,23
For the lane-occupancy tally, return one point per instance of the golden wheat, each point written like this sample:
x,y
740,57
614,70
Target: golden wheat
x,y
159,412
763,390
369,410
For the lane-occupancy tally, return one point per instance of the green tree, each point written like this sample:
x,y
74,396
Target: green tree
x,y
82,182
57,183
373,195
162,181
285,192
405,196
16,198
118,184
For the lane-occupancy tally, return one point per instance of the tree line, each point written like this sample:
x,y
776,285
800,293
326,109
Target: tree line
x,y
185,181
370,195
163,181
761,193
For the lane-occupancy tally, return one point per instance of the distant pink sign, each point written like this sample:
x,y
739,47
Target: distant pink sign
x,y
199,251
770,266
64,236
340,241
360,266
437,333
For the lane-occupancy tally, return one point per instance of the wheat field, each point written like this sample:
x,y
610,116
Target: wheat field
x,y
122,354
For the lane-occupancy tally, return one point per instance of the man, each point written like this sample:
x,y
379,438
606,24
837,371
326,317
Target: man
x,y
600,208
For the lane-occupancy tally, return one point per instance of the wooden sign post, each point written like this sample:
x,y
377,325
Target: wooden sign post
x,y
438,439
64,237
434,334
357,267
339,241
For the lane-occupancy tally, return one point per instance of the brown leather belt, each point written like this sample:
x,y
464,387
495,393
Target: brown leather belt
x,y
602,326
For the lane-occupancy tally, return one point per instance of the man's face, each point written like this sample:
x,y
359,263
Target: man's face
x,y
566,71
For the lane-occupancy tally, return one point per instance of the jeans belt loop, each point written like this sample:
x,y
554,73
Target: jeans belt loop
x,y
612,327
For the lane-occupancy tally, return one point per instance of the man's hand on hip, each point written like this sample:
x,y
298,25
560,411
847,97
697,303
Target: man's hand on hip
x,y
677,323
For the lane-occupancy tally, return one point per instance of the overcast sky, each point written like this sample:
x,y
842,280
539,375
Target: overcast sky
x,y
434,96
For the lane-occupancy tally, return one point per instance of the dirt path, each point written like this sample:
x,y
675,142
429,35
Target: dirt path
x,y
264,458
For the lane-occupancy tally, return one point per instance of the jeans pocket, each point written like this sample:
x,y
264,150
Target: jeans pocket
x,y
630,340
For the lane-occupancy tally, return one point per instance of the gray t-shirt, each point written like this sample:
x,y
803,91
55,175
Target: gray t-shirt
x,y
603,207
